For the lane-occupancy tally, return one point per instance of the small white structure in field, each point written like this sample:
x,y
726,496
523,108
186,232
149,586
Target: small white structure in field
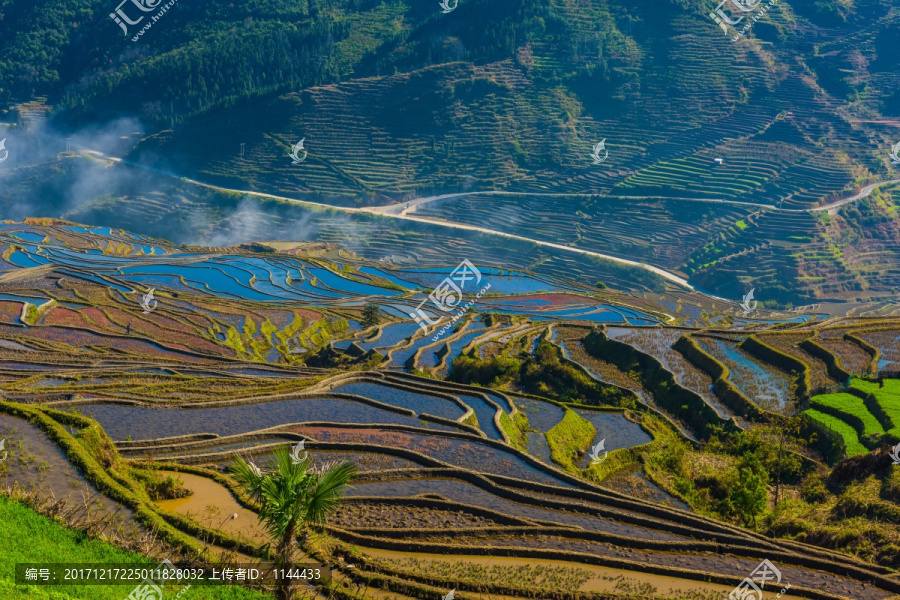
x,y
718,161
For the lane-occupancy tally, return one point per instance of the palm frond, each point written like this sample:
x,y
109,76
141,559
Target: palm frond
x,y
325,495
247,477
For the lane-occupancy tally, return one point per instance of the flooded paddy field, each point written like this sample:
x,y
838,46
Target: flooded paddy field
x,y
770,388
465,453
140,423
414,401
615,429
466,493
257,329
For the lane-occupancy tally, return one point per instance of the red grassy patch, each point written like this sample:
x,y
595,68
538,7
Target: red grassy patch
x,y
64,317
10,311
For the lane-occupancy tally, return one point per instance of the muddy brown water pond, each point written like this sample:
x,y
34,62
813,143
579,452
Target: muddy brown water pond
x,y
36,464
464,492
213,506
143,423
468,454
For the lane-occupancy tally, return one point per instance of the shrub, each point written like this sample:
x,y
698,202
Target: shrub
x,y
162,488
749,497
495,371
813,489
370,315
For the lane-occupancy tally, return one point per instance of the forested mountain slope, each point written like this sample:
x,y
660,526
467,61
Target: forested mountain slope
x,y
398,99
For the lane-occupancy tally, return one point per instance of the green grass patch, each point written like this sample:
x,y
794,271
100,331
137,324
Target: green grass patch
x,y
571,435
884,402
841,429
516,428
851,409
29,537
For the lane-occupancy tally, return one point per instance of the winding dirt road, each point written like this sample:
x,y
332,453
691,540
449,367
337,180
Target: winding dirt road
x,y
403,208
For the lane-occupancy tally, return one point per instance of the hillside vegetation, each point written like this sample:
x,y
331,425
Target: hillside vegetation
x,y
396,100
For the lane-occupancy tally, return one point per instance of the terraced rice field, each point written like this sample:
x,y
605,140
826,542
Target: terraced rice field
x,y
769,388
862,420
246,353
888,344
614,429
658,343
139,423
416,402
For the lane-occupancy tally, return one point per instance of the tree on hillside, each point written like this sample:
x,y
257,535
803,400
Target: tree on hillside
x,y
749,497
370,315
293,497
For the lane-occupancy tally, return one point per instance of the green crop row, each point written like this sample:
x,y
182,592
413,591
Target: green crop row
x,y
883,401
842,430
851,410
870,409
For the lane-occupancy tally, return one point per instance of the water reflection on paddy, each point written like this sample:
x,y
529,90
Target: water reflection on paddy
x,y
148,423
417,402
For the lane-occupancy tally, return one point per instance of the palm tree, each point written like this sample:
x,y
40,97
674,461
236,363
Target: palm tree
x,y
293,496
